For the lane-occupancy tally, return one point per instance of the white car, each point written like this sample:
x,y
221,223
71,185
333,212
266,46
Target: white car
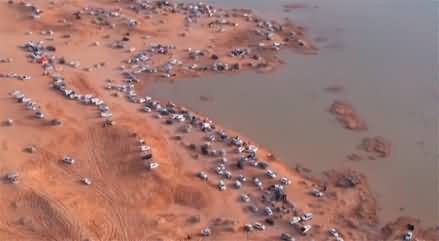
x,y
317,193
236,141
15,93
152,165
179,117
333,232
295,220
259,186
202,175
271,174
221,185
86,181
145,148
31,106
96,101
305,229
256,181
25,100
241,178
245,198
253,163
268,211
240,149
252,149
259,226
106,114
220,170
69,160
206,127
307,216
285,181
248,227
408,236
19,97
237,184
210,138
39,115
205,232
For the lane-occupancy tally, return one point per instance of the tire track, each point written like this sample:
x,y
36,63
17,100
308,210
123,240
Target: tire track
x,y
53,217
114,226
107,149
104,146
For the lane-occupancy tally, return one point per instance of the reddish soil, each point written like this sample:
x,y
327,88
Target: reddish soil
x,y
346,115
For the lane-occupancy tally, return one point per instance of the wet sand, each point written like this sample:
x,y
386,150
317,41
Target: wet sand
x,y
125,200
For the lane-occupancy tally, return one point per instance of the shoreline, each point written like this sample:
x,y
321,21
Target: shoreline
x,y
158,201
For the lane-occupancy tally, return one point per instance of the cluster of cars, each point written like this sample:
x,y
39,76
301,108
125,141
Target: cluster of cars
x,y
191,11
103,109
35,11
107,18
247,152
16,76
273,193
146,155
28,103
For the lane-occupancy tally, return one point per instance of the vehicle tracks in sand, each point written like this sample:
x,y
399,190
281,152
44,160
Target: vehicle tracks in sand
x,y
51,217
113,225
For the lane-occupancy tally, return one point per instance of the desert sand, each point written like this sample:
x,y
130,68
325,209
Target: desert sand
x,y
87,47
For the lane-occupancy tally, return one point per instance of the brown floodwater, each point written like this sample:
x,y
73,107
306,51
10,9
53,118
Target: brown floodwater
x,y
384,54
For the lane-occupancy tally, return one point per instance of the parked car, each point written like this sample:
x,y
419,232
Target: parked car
x,y
286,237
244,198
205,232
202,175
152,165
221,185
259,226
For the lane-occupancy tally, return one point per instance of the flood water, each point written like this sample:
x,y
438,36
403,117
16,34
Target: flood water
x,y
385,55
